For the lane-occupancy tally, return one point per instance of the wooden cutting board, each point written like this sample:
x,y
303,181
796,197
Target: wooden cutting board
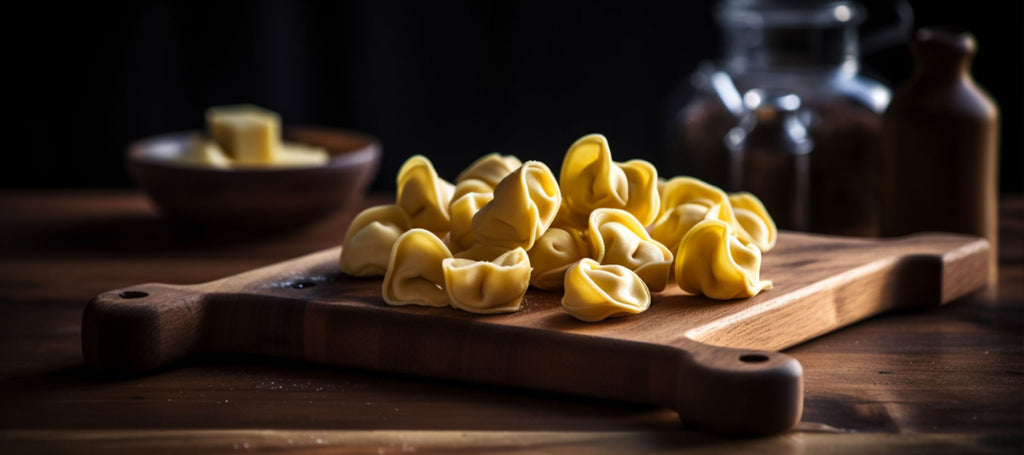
x,y
715,363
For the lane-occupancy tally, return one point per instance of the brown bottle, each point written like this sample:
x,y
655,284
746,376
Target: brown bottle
x,y
940,145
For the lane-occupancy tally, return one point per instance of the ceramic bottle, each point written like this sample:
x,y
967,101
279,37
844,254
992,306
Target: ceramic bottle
x,y
940,145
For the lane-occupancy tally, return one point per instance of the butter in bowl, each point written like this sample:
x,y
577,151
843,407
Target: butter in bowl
x,y
247,172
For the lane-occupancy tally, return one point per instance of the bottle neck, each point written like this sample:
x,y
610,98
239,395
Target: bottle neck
x,y
943,53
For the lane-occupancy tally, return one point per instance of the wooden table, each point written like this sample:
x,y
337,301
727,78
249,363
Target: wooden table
x,y
944,380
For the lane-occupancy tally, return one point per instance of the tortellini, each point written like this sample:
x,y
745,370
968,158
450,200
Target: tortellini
x,y
688,190
677,221
683,199
755,225
553,254
423,195
461,236
607,234
714,262
591,180
490,169
484,174
369,239
471,186
485,287
594,292
524,205
414,275
616,237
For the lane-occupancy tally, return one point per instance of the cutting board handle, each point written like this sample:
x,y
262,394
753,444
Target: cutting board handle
x,y
142,328
739,391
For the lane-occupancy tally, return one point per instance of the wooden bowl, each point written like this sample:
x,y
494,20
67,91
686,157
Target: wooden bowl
x,y
255,199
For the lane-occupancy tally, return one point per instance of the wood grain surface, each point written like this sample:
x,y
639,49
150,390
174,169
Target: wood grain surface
x,y
709,360
935,380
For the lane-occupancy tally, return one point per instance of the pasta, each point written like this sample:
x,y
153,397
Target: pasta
x,y
484,174
616,237
607,234
553,254
489,169
369,239
594,292
590,180
524,205
675,222
414,275
712,261
644,202
486,287
461,236
755,225
423,195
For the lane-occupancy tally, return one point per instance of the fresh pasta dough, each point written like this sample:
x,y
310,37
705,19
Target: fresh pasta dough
x,y
423,195
594,292
524,205
485,287
553,254
755,225
616,237
414,275
682,190
590,180
675,222
607,234
644,202
370,236
469,187
713,262
461,236
741,210
490,169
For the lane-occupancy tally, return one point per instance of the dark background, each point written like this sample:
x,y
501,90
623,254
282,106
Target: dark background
x,y
450,80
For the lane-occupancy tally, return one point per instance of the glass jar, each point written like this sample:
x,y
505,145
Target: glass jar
x,y
811,50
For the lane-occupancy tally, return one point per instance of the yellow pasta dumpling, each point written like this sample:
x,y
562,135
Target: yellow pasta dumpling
x,y
594,292
674,223
688,190
616,237
755,224
489,169
415,275
713,262
470,186
591,180
682,190
486,287
461,236
367,246
423,195
553,254
524,205
644,201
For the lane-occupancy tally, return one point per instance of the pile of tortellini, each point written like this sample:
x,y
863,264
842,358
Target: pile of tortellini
x,y
606,234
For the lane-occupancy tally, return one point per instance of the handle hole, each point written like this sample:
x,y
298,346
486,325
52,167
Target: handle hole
x,y
302,284
132,294
753,358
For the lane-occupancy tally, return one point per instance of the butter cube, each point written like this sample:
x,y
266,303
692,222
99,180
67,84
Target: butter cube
x,y
293,154
204,153
248,134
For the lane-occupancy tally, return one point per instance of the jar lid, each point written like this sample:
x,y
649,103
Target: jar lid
x,y
789,13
